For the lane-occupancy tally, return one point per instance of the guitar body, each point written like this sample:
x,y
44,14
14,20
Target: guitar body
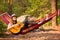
x,y
16,29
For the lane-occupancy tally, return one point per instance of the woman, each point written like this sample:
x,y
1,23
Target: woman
x,y
13,22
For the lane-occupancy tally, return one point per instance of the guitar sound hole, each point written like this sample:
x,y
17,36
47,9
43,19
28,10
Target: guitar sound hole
x,y
15,28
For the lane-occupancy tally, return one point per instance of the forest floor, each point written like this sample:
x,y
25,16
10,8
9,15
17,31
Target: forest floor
x,y
34,35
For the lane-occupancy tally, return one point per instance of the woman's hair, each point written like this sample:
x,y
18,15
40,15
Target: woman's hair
x,y
26,19
13,15
13,22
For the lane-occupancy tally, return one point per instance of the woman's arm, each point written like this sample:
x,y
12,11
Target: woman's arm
x,y
9,26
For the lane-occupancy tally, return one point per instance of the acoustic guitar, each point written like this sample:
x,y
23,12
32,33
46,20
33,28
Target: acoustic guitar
x,y
16,29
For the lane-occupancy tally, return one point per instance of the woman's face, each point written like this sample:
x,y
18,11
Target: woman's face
x,y
29,18
14,18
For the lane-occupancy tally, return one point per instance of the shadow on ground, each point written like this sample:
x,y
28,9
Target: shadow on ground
x,y
34,35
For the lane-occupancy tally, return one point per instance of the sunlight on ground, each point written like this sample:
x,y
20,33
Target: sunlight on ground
x,y
58,28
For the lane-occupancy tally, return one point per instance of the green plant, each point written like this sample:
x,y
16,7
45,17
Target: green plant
x,y
2,27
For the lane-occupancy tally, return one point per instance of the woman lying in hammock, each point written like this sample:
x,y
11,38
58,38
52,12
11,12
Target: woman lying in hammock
x,y
15,27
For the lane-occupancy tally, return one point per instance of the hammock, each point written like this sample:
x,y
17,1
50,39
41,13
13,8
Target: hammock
x,y
41,22
5,17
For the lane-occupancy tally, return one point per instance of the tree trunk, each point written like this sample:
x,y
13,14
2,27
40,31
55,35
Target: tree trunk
x,y
10,7
53,7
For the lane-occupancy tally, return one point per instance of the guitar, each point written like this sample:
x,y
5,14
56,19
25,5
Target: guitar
x,y
16,28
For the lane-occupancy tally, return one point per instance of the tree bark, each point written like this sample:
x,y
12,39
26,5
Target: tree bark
x,y
10,7
53,7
